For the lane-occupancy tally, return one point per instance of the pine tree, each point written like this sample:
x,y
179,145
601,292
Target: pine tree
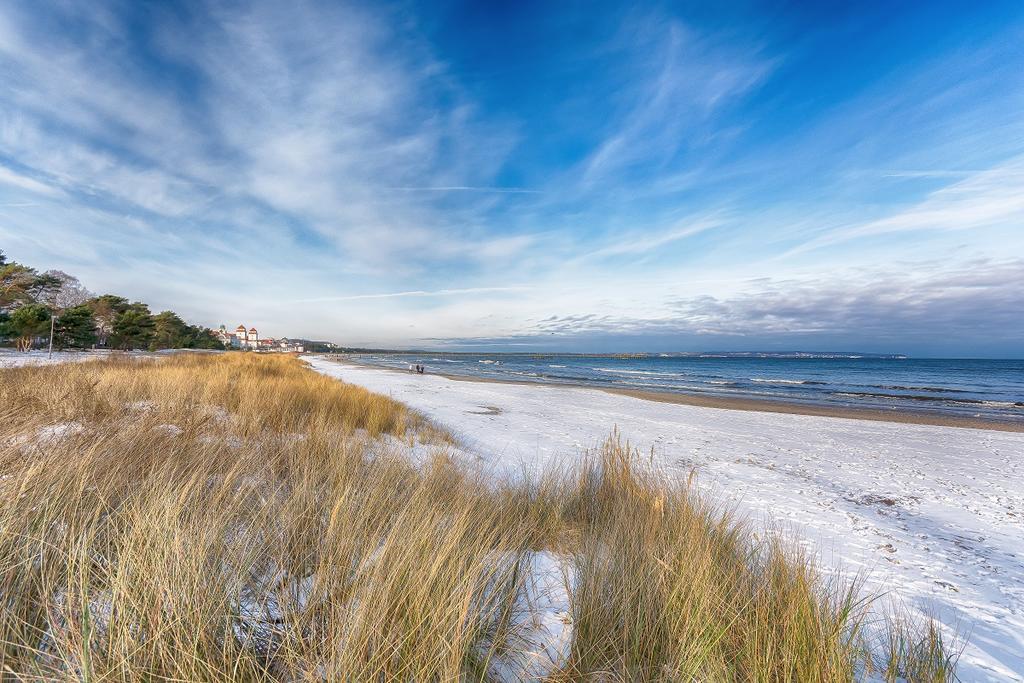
x,y
133,329
105,310
75,328
28,322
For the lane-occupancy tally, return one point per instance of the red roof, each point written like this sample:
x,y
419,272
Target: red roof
x,y
252,329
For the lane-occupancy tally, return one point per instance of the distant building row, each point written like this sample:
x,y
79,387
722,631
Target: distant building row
x,y
249,339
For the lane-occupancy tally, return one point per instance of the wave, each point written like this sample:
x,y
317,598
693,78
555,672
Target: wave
x,y
663,387
900,387
556,366
768,380
645,373
919,397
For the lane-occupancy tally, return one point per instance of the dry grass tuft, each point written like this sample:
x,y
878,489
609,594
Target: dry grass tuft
x,y
224,518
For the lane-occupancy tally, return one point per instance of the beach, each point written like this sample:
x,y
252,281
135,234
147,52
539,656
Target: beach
x,y
927,515
777,406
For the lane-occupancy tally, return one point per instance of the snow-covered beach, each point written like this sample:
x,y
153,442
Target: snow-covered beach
x,y
13,359
932,516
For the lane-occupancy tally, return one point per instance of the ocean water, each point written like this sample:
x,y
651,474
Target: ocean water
x,y
991,389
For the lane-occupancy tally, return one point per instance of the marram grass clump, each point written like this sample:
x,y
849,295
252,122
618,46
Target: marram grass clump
x,y
239,517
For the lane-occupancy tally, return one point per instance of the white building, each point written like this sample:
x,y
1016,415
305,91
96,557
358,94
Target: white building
x,y
241,338
249,339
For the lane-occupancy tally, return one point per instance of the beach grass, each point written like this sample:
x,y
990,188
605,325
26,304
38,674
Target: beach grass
x,y
240,517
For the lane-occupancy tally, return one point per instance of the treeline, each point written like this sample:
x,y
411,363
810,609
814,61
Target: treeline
x,y
32,304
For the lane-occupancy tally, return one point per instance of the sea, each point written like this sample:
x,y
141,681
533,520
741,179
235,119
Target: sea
x,y
986,389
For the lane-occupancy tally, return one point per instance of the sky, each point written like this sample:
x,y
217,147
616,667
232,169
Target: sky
x,y
530,176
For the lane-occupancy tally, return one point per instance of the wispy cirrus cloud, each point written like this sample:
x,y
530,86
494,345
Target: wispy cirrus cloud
x,y
419,293
351,170
463,188
643,242
984,199
682,79
303,111
33,186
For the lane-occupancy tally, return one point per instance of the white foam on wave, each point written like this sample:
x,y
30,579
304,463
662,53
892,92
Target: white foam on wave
x,y
645,373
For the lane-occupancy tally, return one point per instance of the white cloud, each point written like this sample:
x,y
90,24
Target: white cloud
x,y
984,199
987,198
499,190
313,110
681,80
646,241
9,177
418,293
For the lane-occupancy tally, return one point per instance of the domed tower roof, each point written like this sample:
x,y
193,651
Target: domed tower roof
x,y
252,330
240,328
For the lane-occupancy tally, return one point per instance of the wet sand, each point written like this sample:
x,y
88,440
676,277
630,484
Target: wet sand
x,y
764,406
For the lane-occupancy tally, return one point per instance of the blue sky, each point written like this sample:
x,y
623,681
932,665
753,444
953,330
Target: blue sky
x,y
530,175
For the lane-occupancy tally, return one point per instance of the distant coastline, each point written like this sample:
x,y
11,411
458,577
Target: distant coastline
x,y
637,354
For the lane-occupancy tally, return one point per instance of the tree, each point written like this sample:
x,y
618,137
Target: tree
x,y
27,323
78,319
105,310
61,292
198,337
133,328
169,331
75,328
18,284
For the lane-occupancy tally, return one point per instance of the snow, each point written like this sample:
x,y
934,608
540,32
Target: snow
x,y
47,435
933,515
58,432
9,358
169,429
541,621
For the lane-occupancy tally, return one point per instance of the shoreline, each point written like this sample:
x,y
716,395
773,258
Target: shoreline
x,y
750,404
